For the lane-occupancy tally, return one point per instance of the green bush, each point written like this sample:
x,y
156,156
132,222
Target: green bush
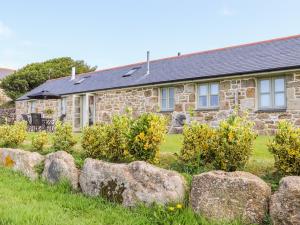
x,y
146,134
63,138
39,141
108,141
198,142
13,135
125,139
227,147
286,149
234,144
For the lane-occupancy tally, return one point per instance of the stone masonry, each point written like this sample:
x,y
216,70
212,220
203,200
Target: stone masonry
x,y
232,92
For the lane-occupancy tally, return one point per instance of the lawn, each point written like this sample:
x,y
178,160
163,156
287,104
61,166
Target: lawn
x,y
24,202
40,203
260,163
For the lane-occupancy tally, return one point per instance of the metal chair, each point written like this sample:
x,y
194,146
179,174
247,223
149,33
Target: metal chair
x,y
36,121
26,118
62,118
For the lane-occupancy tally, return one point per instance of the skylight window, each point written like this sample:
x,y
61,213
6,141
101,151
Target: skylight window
x,y
131,71
79,81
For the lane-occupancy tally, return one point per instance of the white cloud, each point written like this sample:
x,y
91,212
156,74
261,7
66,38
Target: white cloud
x,y
5,31
225,11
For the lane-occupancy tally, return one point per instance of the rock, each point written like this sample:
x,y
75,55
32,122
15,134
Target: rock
x,y
227,196
285,203
23,161
60,165
131,183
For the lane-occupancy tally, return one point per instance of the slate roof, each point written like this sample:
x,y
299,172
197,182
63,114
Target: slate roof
x,y
5,72
271,55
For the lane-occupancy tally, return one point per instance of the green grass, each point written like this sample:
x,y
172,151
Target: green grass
x,y
24,202
260,163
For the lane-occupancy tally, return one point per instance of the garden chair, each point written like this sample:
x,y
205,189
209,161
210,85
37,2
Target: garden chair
x,y
36,121
26,118
62,118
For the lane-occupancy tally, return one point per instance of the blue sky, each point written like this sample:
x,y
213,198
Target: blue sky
x,y
115,32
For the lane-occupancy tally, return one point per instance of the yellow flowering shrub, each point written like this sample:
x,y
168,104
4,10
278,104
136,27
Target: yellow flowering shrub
x,y
146,134
107,141
234,143
63,138
39,141
13,135
125,139
227,147
286,148
198,142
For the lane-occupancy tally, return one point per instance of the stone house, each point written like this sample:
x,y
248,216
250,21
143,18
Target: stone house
x,y
3,73
261,77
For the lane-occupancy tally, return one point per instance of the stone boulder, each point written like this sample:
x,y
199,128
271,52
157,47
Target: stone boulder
x,y
131,183
285,203
227,196
20,160
60,165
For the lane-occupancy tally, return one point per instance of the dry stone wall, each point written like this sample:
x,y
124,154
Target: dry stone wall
x,y
216,195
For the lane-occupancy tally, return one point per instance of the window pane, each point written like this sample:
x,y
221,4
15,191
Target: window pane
x,y
203,101
203,90
171,92
171,103
279,99
164,104
164,93
265,100
264,86
214,89
279,85
214,100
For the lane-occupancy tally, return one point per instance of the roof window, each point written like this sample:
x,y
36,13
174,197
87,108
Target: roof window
x,y
131,71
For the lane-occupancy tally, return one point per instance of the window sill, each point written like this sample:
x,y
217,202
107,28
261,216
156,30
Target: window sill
x,y
270,110
207,109
166,111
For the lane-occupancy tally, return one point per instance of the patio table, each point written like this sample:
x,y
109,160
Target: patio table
x,y
48,124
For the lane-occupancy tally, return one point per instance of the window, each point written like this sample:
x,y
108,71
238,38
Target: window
x,y
91,103
63,106
272,93
131,71
208,95
31,108
167,99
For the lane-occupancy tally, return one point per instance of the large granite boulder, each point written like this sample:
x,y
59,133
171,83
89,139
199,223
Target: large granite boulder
x,y
19,160
60,166
228,196
131,183
285,203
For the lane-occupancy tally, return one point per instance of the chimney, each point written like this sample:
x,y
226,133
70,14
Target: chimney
x,y
179,54
148,63
73,76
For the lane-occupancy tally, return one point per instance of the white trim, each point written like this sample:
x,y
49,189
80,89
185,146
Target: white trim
x,y
272,92
208,96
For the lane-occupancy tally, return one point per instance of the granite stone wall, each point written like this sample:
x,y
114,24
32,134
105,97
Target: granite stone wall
x,y
233,92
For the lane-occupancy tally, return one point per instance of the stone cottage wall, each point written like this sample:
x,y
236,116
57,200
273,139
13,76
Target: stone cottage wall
x,y
233,92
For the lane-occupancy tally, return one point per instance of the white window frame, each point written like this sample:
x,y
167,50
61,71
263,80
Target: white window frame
x,y
63,106
208,106
31,106
272,93
168,107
